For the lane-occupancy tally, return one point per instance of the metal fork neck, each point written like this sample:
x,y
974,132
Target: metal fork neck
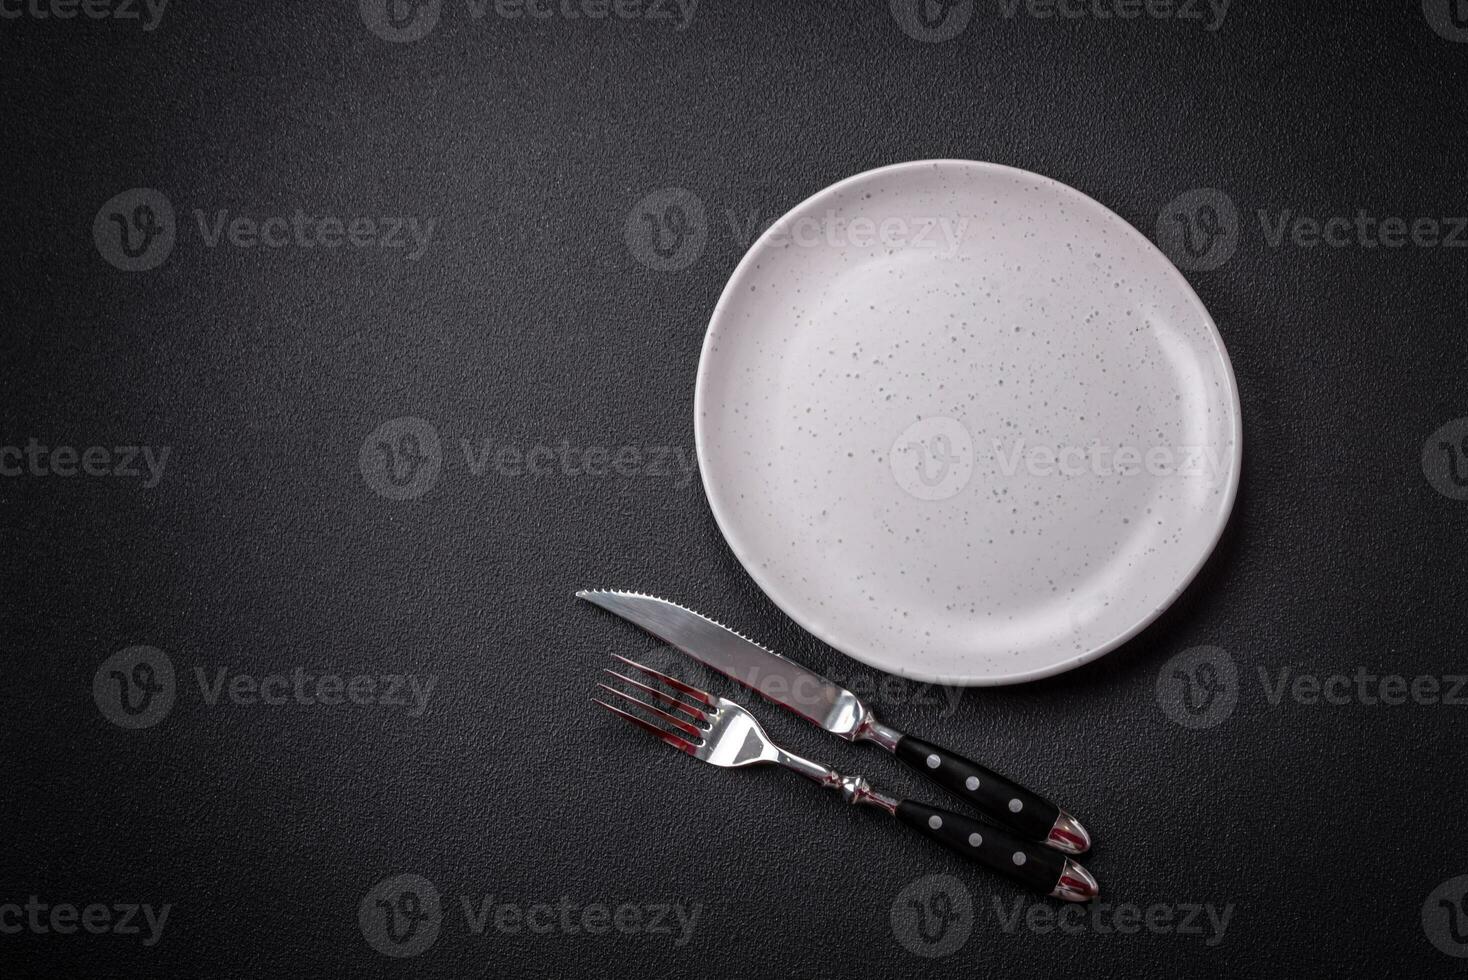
x,y
853,789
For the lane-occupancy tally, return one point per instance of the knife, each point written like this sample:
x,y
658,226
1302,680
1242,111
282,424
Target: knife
x,y
838,711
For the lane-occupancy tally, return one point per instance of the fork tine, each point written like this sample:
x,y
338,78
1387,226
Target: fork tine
x,y
673,720
693,712
647,726
672,682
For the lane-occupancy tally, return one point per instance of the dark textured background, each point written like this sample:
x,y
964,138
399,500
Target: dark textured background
x,y
528,320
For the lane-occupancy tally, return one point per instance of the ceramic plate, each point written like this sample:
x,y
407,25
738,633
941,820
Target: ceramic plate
x,y
965,424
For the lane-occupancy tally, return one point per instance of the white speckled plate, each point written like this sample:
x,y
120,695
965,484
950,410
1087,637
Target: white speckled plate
x,y
964,423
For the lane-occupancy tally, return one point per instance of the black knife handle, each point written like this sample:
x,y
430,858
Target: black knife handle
x,y
1033,865
1001,800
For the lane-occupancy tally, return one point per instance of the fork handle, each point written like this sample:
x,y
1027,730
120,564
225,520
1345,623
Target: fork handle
x,y
1036,866
1002,800
1033,865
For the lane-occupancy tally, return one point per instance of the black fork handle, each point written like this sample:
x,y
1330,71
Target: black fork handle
x,y
1039,868
997,797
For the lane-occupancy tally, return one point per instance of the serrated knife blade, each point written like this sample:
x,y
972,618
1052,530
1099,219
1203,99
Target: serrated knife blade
x,y
739,658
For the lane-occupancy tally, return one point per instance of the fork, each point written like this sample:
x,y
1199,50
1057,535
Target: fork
x,y
720,732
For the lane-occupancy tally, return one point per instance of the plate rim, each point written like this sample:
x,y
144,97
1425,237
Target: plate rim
x,y
732,288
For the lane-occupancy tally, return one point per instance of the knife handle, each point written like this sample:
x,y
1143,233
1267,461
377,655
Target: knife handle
x,y
1033,865
1007,803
